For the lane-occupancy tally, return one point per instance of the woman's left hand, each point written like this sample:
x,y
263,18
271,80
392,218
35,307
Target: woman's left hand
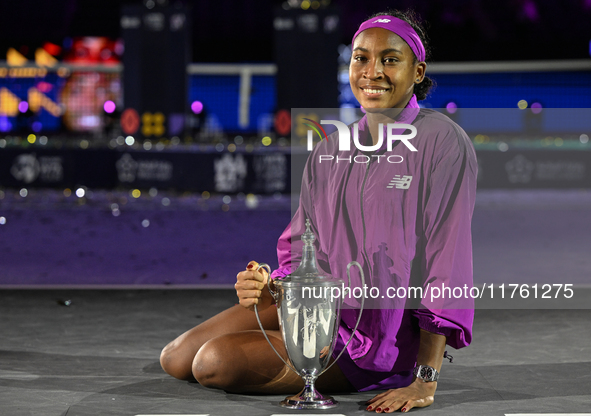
x,y
418,394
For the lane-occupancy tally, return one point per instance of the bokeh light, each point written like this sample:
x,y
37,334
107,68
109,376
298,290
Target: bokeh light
x,y
23,106
129,140
2,220
23,192
451,107
536,108
80,192
266,141
522,104
31,138
197,107
146,223
109,107
37,126
252,201
136,193
5,124
583,138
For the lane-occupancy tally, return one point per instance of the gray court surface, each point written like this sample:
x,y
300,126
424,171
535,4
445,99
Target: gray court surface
x,y
99,355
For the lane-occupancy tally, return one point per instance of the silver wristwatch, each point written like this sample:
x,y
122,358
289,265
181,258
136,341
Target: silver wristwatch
x,y
425,373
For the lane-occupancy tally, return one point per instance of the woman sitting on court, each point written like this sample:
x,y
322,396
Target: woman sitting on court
x,y
405,219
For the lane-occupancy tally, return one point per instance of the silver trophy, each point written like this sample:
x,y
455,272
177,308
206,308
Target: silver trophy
x,y
309,317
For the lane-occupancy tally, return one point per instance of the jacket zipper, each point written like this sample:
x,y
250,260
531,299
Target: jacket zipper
x,y
366,257
363,252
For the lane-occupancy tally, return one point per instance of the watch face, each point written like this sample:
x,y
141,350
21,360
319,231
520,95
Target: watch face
x,y
426,373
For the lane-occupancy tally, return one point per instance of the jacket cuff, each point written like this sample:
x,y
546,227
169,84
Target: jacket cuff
x,y
429,325
281,272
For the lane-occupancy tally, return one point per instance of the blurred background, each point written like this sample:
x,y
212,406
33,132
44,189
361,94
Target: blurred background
x,y
123,122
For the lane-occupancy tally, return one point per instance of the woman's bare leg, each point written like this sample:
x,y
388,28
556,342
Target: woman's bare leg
x,y
229,352
178,356
244,362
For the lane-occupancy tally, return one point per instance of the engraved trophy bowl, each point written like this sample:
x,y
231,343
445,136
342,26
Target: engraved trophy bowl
x,y
309,317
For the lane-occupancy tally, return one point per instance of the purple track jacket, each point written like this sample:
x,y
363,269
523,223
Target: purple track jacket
x,y
407,221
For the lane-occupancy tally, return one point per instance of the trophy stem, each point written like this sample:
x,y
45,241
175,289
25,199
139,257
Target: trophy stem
x,y
309,398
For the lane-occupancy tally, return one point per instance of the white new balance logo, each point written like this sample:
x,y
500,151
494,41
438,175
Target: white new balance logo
x,y
401,182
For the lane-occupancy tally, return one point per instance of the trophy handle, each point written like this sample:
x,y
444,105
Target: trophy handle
x,y
353,263
256,312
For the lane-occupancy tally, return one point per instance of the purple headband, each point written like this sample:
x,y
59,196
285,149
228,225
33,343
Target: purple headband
x,y
398,26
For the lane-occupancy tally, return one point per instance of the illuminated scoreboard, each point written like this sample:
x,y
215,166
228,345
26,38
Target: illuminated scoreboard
x,y
30,99
63,98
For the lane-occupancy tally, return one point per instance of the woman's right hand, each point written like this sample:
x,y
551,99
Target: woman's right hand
x,y
251,287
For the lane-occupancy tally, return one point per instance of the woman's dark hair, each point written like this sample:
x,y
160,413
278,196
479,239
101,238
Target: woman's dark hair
x,y
423,89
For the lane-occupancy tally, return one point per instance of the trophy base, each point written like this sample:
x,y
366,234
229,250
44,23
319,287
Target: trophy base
x,y
309,400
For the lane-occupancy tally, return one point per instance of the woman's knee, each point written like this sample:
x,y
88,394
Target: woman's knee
x,y
176,361
214,367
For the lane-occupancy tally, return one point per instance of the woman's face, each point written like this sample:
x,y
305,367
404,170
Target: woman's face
x,y
382,71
